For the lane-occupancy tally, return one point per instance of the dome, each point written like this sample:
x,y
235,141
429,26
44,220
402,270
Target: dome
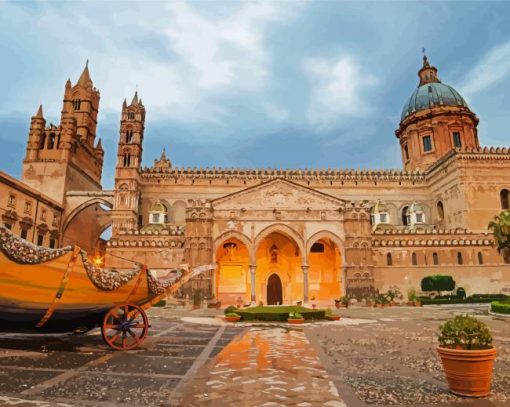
x,y
432,94
379,207
416,208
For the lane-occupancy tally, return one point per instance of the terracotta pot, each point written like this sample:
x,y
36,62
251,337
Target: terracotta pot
x,y
417,303
469,372
314,306
337,304
233,319
296,321
299,303
196,306
333,317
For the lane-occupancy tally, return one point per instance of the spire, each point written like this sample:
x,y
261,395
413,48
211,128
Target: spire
x,y
124,104
99,145
68,83
85,80
135,99
163,155
39,113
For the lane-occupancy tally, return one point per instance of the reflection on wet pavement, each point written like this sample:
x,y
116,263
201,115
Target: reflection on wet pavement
x,y
265,367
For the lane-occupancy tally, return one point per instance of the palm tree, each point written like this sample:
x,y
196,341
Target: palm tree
x,y
501,230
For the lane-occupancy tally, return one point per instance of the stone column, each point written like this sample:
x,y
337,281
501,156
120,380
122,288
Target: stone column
x,y
305,283
253,269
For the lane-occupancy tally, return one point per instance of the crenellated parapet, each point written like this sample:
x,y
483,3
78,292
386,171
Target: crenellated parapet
x,y
157,173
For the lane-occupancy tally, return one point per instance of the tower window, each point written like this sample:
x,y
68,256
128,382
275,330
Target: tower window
x,y
456,139
414,259
427,144
503,196
129,136
42,141
459,258
480,258
389,260
440,211
51,141
405,215
76,104
406,152
435,259
317,248
131,116
127,160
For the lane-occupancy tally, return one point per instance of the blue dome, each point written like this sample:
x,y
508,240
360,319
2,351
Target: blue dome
x,y
430,95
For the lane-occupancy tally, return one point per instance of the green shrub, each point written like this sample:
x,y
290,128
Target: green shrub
x,y
500,307
328,312
160,303
461,293
455,300
232,314
437,283
491,296
411,294
230,309
295,315
465,332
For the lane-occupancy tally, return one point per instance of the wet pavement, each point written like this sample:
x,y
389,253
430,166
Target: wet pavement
x,y
372,357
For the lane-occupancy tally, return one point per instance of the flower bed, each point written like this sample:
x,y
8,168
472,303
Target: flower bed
x,y
277,313
500,307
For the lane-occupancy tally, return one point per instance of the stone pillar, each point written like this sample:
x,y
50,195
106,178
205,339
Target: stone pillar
x,y
253,269
305,283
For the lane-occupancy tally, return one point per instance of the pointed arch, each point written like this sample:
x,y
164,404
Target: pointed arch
x,y
234,234
285,230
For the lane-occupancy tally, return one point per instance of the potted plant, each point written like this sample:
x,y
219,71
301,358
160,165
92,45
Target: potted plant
x,y
197,299
330,316
411,297
295,318
313,304
338,303
390,296
232,317
299,303
465,348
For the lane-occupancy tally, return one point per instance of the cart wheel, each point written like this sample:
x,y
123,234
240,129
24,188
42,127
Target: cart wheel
x,y
125,327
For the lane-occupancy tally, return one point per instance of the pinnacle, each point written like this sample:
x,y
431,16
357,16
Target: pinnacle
x,y
85,80
39,112
99,145
135,99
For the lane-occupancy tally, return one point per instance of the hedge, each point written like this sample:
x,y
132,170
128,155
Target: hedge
x,y
278,313
468,300
500,307
495,297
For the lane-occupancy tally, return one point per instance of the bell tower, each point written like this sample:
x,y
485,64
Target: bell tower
x,y
60,158
127,170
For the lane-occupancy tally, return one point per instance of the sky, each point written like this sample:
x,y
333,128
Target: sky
x,y
285,84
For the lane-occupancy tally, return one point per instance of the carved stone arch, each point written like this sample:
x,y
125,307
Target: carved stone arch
x,y
325,234
288,232
232,234
82,206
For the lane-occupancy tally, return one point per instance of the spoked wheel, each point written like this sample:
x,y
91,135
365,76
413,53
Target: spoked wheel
x,y
125,327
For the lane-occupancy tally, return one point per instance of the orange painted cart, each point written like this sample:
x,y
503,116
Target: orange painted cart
x,y
47,291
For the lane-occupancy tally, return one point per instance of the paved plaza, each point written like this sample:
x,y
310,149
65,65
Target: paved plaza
x,y
372,357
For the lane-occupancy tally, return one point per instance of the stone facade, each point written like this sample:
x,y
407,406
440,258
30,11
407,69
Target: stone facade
x,y
289,235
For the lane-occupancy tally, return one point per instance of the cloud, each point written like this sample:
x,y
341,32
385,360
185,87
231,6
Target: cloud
x,y
492,68
186,57
276,112
337,90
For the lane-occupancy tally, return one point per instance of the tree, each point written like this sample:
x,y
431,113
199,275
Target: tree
x,y
437,283
500,228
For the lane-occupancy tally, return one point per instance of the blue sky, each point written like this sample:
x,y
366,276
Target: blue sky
x,y
253,84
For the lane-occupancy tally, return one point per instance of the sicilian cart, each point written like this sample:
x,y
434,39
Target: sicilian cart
x,y
59,290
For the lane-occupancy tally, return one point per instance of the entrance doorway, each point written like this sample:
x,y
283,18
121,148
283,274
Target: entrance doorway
x,y
274,290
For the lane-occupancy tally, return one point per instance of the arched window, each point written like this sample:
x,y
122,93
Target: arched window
x,y
405,211
317,248
127,159
389,260
406,152
459,258
76,104
42,142
503,195
414,259
480,258
435,259
51,141
440,211
131,116
129,136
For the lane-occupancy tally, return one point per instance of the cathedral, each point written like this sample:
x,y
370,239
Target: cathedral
x,y
276,236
